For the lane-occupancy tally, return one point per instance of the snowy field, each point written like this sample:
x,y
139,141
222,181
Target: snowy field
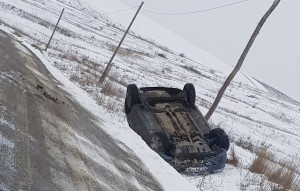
x,y
262,124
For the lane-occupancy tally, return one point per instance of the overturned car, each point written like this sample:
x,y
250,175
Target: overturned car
x,y
168,120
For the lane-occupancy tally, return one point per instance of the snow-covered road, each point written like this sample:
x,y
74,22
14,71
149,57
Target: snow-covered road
x,y
48,141
256,116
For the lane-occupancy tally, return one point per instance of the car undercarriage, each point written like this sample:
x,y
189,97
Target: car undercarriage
x,y
168,120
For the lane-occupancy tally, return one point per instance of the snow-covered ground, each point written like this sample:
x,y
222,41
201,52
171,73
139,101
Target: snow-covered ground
x,y
255,116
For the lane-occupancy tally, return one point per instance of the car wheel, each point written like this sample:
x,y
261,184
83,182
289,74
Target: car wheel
x,y
218,137
189,89
160,143
132,97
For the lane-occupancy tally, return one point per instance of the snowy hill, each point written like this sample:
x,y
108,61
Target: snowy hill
x,y
263,126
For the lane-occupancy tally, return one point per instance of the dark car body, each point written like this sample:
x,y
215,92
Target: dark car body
x,y
168,120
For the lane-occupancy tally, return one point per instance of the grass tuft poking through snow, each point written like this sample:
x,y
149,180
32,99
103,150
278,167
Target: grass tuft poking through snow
x,y
283,174
254,115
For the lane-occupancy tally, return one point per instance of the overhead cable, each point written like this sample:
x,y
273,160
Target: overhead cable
x,y
120,10
193,12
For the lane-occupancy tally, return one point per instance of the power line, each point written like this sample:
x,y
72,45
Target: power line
x,y
199,11
121,10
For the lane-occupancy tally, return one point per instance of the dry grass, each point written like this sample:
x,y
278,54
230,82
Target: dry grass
x,y
110,89
106,97
112,106
45,23
118,79
92,66
87,75
17,33
260,164
196,71
283,175
162,55
87,80
70,57
245,144
259,182
126,51
74,77
108,102
37,47
182,55
64,31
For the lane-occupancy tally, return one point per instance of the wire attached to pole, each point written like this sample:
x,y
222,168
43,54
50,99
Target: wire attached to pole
x,y
193,12
120,10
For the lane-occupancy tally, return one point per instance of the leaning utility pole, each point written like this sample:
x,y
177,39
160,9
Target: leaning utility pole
x,y
54,29
241,60
109,65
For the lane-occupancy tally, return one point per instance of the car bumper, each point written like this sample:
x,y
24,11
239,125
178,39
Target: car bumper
x,y
212,164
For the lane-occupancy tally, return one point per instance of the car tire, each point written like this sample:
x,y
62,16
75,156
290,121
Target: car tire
x,y
160,143
189,89
218,137
132,97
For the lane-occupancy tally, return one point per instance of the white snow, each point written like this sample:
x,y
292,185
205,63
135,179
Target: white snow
x,y
157,166
3,187
252,115
6,123
6,142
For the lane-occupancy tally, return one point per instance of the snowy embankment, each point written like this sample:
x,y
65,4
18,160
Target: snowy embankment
x,y
119,129
254,118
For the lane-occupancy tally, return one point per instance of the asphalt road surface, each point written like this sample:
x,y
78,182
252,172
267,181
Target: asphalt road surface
x,y
48,141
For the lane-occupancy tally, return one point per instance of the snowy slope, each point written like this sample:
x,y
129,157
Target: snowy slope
x,y
253,117
149,29
116,129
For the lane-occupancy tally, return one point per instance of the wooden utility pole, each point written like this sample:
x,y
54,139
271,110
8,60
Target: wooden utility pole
x,y
241,60
109,65
54,29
